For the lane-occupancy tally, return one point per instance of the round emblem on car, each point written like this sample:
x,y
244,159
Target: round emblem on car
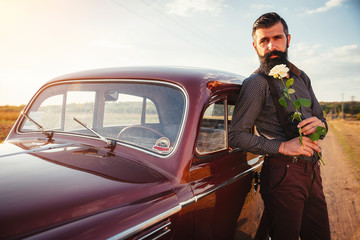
x,y
162,145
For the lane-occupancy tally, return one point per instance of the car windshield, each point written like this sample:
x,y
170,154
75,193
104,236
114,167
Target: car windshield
x,y
141,114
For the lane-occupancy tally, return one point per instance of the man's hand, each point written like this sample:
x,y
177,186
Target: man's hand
x,y
308,126
293,147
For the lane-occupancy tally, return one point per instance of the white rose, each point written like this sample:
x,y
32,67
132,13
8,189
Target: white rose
x,y
279,71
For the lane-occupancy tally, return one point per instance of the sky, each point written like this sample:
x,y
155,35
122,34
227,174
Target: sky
x,y
40,40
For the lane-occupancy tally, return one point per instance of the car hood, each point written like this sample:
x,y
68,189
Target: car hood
x,y
47,184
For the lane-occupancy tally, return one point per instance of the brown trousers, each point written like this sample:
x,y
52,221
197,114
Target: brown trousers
x,y
294,199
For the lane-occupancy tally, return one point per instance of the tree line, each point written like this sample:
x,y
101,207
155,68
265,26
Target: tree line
x,y
348,109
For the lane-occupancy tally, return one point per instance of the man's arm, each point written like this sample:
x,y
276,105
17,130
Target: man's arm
x,y
250,102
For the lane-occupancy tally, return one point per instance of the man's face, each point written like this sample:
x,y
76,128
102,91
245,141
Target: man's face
x,y
271,46
267,40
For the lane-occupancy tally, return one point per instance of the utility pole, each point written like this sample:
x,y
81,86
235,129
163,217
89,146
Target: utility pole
x,y
342,106
352,105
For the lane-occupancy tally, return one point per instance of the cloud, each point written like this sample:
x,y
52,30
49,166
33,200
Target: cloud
x,y
260,6
328,5
333,71
188,7
346,54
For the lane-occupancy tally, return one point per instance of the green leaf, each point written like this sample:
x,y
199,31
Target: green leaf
x,y
291,91
321,131
305,102
297,104
283,102
289,82
315,136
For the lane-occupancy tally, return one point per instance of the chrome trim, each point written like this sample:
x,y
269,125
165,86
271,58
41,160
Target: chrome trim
x,y
181,129
254,160
166,232
37,150
188,202
231,180
156,230
137,228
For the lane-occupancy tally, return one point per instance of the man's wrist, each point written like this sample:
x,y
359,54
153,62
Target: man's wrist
x,y
282,148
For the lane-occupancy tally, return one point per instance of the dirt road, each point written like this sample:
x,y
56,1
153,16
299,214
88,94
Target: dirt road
x,y
342,191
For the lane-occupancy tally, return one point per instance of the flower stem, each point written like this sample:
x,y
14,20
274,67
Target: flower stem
x,y
322,161
282,80
280,71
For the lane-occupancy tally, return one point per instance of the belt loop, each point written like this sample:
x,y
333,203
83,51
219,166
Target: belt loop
x,y
294,159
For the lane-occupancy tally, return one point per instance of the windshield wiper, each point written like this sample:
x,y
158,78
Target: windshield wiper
x,y
48,134
109,142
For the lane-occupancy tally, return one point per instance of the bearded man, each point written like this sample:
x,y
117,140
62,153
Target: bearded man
x,y
291,185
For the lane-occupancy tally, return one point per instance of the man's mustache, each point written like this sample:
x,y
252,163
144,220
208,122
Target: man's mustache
x,y
269,55
268,61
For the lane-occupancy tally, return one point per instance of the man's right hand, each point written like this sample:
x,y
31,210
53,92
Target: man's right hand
x,y
293,147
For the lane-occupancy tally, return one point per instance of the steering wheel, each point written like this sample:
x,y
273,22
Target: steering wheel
x,y
141,127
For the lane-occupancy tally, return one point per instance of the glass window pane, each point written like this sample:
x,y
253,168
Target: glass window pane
x,y
212,135
48,115
151,112
123,112
79,104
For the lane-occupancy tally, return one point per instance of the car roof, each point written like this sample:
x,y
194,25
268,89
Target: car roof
x,y
180,75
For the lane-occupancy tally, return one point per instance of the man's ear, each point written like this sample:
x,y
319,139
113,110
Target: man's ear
x,y
254,46
288,40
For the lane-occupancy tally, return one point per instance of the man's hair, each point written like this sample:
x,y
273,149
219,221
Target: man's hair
x,y
268,20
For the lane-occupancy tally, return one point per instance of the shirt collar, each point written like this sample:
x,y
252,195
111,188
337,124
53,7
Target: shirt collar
x,y
294,69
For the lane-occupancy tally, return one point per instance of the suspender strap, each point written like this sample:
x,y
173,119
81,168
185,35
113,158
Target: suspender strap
x,y
288,126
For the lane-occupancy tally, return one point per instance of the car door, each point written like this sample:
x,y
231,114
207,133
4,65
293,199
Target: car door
x,y
221,178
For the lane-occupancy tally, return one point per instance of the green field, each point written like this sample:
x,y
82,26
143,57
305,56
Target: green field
x,y
8,116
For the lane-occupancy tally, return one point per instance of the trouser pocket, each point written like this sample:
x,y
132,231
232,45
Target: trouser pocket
x,y
277,176
273,176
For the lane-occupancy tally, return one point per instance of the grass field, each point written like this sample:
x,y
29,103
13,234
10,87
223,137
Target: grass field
x,y
8,116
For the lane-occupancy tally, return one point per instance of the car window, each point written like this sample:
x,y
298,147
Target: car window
x,y
50,108
79,104
142,114
152,115
128,109
212,135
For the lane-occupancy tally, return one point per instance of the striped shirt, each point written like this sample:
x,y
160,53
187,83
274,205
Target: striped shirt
x,y
255,107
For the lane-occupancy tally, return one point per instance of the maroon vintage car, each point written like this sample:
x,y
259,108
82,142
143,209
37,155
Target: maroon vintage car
x,y
129,153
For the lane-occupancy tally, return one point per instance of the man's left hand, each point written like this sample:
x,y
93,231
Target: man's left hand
x,y
308,126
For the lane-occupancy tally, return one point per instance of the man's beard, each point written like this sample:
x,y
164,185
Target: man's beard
x,y
267,63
